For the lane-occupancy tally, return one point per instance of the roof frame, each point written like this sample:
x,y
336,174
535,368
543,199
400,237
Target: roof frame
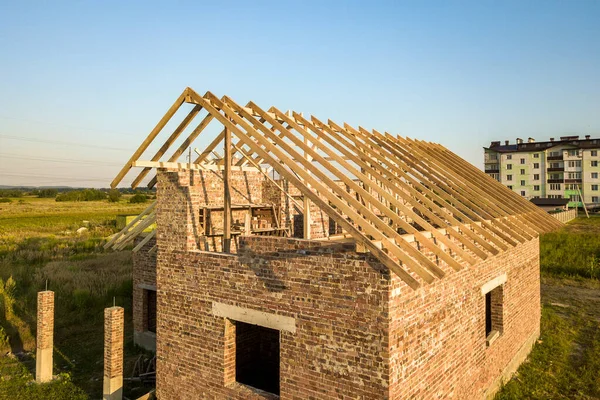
x,y
386,182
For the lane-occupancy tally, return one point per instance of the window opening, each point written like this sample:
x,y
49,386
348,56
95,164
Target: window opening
x,y
257,357
151,308
494,300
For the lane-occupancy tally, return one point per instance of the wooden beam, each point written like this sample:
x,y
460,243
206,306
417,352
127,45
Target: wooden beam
x,y
332,212
130,225
440,176
306,217
476,182
183,166
530,211
350,205
391,183
227,193
141,244
397,164
186,121
124,240
372,201
206,152
251,161
186,143
489,195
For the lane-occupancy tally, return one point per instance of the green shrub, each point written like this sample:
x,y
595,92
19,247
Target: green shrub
x,y
82,298
5,200
4,343
47,193
9,287
7,294
138,198
11,193
82,195
114,195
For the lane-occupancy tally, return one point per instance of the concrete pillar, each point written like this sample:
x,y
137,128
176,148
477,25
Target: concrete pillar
x,y
45,336
113,353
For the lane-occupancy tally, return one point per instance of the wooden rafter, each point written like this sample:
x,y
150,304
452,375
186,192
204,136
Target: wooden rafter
x,y
161,124
187,143
375,186
427,194
186,121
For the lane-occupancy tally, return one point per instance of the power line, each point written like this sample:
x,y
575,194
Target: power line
x,y
59,160
38,140
66,125
71,178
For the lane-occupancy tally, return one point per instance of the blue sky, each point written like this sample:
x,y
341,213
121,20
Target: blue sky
x,y
461,73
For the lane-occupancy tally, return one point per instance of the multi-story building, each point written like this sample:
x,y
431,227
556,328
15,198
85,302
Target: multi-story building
x,y
565,168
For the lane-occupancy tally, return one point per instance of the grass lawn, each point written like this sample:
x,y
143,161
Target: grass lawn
x,y
565,363
39,243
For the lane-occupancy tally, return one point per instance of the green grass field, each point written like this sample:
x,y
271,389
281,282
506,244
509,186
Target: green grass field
x,y
39,244
565,363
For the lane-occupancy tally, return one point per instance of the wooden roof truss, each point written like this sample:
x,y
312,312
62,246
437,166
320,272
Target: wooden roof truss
x,y
391,186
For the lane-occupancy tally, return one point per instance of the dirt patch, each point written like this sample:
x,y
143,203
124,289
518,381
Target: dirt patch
x,y
577,298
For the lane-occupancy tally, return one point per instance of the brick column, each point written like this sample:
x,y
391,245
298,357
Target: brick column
x,y
229,356
45,336
177,210
113,353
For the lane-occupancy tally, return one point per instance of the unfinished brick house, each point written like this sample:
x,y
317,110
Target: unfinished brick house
x,y
321,261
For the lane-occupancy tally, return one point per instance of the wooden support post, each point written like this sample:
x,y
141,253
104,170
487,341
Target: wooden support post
x,y
582,203
248,222
45,336
306,204
227,194
266,175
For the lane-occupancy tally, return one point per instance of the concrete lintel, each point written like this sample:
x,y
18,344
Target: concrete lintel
x,y
254,317
147,287
494,283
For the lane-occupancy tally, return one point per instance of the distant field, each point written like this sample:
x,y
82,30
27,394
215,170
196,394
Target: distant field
x,y
34,216
39,243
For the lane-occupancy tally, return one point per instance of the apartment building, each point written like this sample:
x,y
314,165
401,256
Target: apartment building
x,y
565,168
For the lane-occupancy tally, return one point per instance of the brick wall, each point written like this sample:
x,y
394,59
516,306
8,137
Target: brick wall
x,y
360,332
144,277
340,342
338,299
437,334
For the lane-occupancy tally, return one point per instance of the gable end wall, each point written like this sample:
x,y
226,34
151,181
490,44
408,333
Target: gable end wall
x,y
337,298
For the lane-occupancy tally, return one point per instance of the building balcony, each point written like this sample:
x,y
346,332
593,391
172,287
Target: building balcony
x,y
572,181
556,181
492,171
560,169
554,158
